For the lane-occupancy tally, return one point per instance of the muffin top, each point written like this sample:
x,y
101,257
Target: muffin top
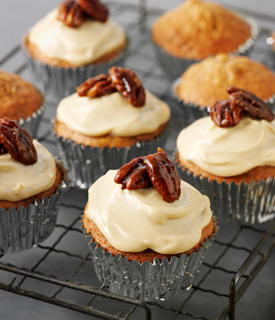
x,y
198,29
18,98
205,82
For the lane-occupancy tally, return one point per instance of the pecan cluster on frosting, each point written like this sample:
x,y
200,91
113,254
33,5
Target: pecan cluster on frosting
x,y
228,113
120,80
155,169
16,141
74,12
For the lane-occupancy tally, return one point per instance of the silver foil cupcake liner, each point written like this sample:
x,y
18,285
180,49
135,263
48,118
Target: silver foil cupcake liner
x,y
86,164
192,111
147,281
174,67
26,227
58,83
245,203
31,123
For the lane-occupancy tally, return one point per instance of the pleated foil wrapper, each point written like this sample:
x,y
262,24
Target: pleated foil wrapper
x,y
31,123
86,164
245,203
27,227
192,111
58,83
174,67
148,281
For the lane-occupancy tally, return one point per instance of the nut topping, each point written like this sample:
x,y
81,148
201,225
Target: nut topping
x,y
95,9
251,104
128,84
228,113
225,114
96,87
163,175
17,142
133,175
71,14
155,169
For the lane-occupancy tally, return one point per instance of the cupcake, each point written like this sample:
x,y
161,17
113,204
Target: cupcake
x,y
206,82
107,122
31,188
20,101
147,230
230,157
196,30
73,42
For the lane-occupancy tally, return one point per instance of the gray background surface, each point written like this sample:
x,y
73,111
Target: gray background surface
x,y
16,17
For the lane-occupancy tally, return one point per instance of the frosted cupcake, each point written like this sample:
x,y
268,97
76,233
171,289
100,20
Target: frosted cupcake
x,y
72,43
196,30
230,157
110,120
31,189
151,226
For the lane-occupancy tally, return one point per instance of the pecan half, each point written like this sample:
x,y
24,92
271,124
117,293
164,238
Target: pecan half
x,y
133,175
163,175
97,86
17,142
250,103
95,9
225,114
128,84
71,14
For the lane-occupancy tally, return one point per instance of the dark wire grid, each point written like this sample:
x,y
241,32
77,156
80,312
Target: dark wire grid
x,y
141,60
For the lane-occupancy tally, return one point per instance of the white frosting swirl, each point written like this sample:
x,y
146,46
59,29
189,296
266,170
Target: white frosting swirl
x,y
133,221
228,152
112,114
18,181
77,46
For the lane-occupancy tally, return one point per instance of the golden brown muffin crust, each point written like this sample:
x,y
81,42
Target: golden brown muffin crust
x,y
146,255
25,202
37,54
18,98
107,140
257,173
206,82
198,29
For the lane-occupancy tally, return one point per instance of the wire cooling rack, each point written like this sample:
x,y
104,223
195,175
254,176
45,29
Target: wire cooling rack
x,y
59,271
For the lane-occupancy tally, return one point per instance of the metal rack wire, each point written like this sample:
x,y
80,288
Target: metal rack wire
x,y
59,271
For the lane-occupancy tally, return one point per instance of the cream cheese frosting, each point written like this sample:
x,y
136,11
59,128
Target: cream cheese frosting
x,y
18,181
135,220
77,46
112,114
228,152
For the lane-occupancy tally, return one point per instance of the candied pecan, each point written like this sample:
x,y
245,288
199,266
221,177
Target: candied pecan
x,y
133,175
95,9
96,87
127,83
163,175
17,142
71,14
250,103
225,114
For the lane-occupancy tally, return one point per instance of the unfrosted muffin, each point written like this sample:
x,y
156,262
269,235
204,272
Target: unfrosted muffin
x,y
20,101
31,189
108,127
66,54
235,164
147,224
196,30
